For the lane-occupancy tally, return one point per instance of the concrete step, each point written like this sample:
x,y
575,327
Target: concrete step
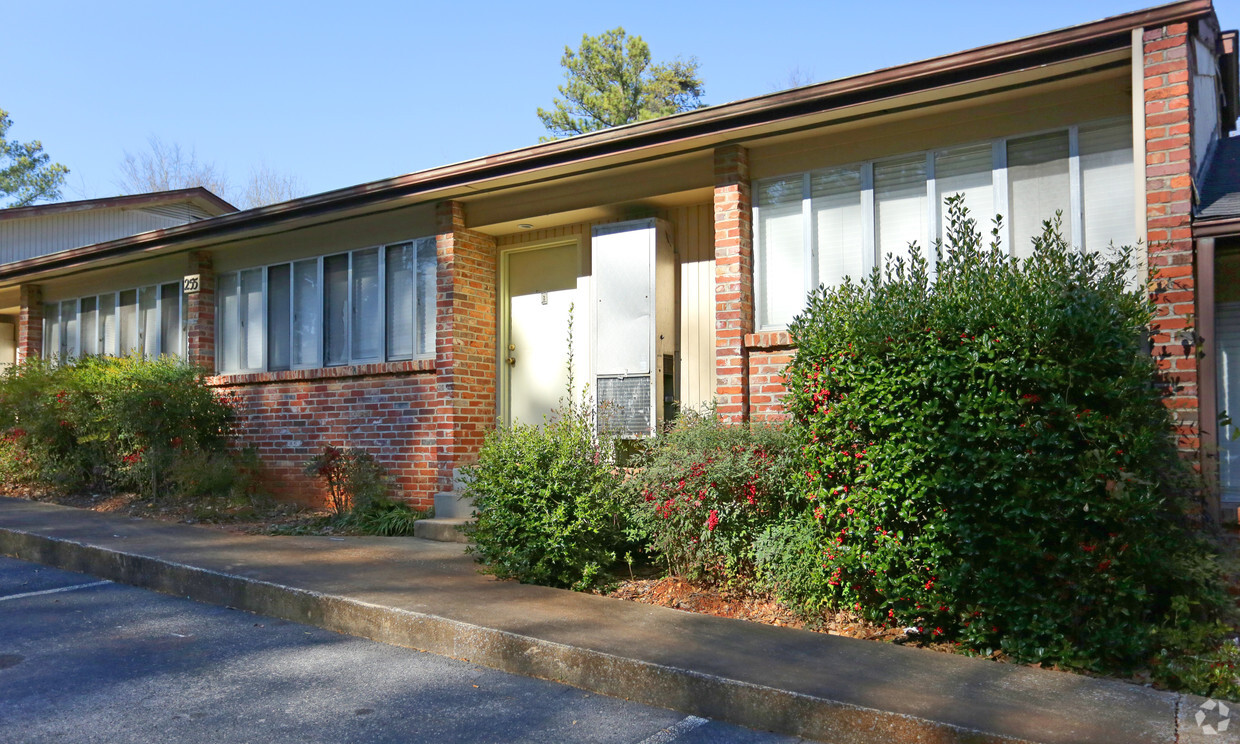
x,y
441,529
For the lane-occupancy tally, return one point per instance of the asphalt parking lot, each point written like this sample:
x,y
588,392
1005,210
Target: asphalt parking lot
x,y
83,660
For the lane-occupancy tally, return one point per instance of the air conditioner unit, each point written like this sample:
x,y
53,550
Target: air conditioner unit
x,y
633,325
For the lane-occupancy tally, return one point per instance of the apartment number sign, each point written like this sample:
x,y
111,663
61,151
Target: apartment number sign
x,y
191,284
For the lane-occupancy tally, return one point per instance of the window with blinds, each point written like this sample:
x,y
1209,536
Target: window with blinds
x,y
144,320
819,227
363,306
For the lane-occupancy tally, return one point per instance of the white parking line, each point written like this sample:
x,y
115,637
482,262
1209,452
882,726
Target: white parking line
x,y
54,591
672,733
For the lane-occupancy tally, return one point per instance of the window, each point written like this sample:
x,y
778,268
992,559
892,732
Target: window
x,y
359,307
145,320
818,227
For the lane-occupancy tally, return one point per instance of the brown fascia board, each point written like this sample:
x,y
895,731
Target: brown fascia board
x,y
1219,228
130,201
984,62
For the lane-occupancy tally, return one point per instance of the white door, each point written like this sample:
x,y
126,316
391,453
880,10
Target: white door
x,y
541,287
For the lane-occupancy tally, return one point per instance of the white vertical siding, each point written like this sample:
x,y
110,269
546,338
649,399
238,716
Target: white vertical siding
x,y
38,236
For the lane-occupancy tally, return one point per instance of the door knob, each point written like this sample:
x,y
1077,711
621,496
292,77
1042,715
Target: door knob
x,y
511,361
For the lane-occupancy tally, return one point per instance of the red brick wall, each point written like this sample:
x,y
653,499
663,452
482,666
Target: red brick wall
x,y
464,342
200,313
387,410
769,353
1168,179
734,311
30,323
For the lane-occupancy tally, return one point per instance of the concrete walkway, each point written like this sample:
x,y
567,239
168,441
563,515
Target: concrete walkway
x,y
428,595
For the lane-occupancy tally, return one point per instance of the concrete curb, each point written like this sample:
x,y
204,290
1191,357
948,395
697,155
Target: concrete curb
x,y
684,690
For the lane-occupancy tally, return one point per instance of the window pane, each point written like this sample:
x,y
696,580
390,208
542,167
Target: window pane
x,y
1038,186
966,171
229,323
148,321
336,309
306,321
401,269
107,324
428,292
781,235
836,209
51,329
128,318
1107,184
252,319
279,314
87,332
900,206
68,329
367,332
170,319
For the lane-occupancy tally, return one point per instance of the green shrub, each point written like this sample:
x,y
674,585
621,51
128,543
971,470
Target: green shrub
x,y
359,494
352,477
105,422
988,458
702,493
545,502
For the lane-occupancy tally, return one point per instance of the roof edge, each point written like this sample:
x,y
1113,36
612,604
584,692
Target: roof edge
x,y
1037,50
127,201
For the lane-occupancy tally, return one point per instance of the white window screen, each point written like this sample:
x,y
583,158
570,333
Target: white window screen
x,y
279,316
127,312
307,320
68,329
51,329
170,318
400,279
148,321
88,332
781,233
1038,186
336,309
900,206
229,323
251,304
967,171
107,324
1107,183
426,295
836,207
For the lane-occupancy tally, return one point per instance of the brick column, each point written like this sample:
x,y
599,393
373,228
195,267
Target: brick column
x,y
200,313
734,311
1168,185
464,348
30,323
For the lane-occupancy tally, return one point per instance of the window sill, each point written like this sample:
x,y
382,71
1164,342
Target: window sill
x,y
415,366
768,340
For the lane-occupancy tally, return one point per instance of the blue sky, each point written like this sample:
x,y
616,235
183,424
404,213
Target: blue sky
x,y
343,93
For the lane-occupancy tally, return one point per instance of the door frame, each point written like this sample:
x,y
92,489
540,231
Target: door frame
x,y
503,383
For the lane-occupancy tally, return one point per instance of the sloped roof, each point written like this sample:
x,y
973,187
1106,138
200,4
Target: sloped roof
x,y
1220,190
204,199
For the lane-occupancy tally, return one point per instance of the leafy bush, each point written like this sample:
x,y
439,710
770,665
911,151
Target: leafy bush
x,y
359,494
704,491
105,422
352,477
545,502
988,458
